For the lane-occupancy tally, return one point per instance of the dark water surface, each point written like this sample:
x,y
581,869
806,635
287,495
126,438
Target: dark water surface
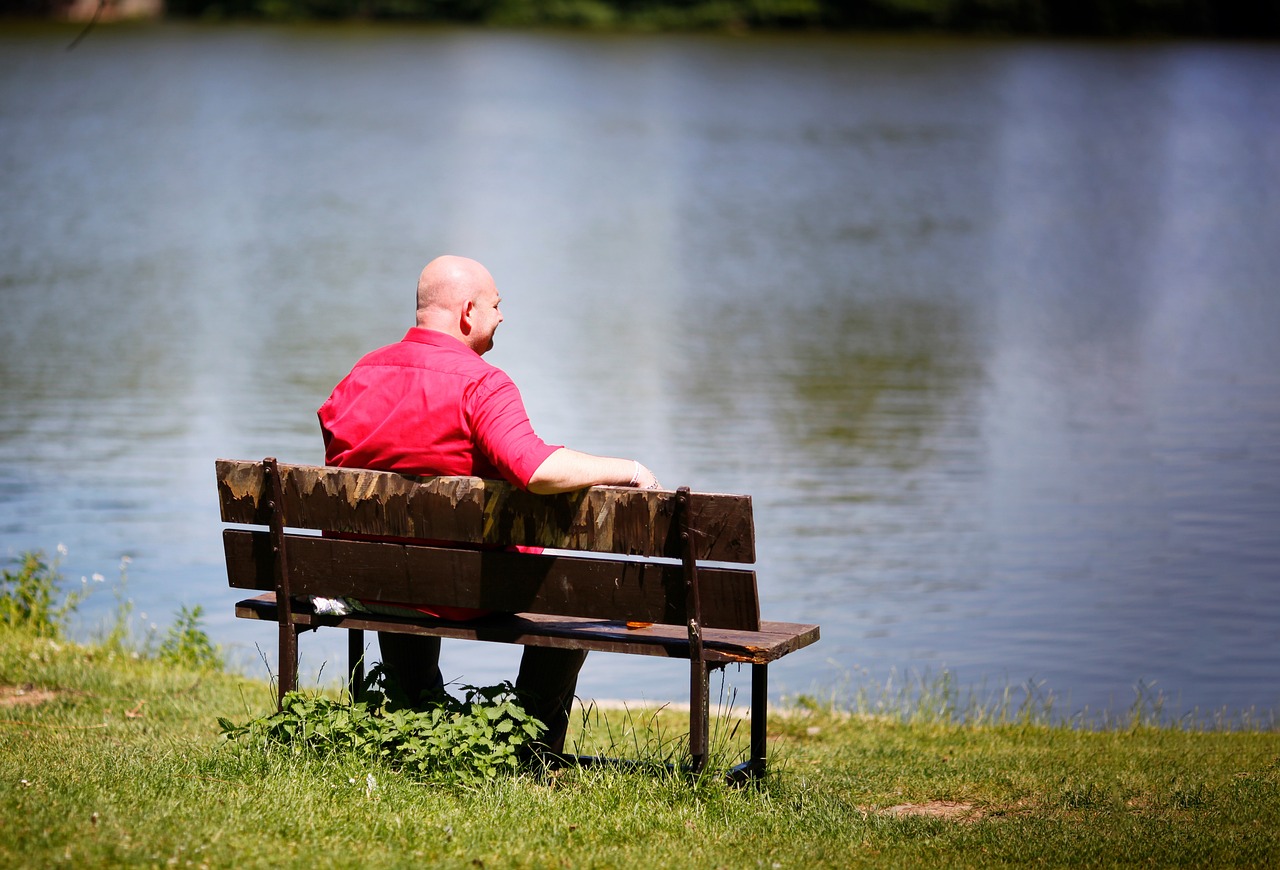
x,y
988,330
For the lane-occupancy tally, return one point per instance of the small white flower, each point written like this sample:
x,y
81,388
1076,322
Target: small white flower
x,y
62,549
98,578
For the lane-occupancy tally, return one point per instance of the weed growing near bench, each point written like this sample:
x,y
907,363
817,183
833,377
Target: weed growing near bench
x,y
640,738
473,739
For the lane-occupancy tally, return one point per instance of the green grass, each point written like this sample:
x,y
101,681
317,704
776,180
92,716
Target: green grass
x,y
122,763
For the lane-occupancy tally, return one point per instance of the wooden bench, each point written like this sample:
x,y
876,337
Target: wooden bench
x,y
643,559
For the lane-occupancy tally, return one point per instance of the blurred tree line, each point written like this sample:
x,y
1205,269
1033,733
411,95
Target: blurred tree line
x,y
1235,18
1107,18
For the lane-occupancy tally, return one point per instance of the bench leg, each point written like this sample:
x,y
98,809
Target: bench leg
x,y
355,663
699,702
753,769
288,679
759,719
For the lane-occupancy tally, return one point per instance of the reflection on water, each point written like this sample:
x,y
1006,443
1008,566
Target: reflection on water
x,y
985,330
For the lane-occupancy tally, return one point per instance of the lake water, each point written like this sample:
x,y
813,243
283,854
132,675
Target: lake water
x,y
988,330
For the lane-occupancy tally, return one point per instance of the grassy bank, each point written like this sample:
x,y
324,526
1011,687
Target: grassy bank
x,y
107,758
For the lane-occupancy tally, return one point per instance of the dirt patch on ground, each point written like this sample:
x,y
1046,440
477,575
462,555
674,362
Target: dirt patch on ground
x,y
955,811
24,696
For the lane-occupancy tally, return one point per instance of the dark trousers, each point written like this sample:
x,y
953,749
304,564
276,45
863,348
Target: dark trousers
x,y
547,680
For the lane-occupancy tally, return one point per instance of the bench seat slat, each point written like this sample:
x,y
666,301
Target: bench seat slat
x,y
605,519
607,588
721,646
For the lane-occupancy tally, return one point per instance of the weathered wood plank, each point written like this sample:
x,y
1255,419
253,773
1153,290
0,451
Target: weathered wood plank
x,y
602,588
774,640
606,519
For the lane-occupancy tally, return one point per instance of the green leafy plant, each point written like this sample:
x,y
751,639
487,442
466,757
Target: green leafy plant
x,y
473,739
187,644
29,596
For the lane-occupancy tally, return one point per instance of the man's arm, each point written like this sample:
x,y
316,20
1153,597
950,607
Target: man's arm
x,y
567,470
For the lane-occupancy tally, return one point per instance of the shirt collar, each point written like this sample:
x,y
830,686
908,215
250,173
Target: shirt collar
x,y
435,338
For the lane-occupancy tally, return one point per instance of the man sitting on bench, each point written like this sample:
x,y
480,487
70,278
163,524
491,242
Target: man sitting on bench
x,y
429,405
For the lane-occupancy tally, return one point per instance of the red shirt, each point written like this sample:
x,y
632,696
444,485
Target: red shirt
x,y
430,405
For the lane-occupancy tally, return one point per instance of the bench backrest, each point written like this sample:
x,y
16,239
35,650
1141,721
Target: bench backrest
x,y
634,547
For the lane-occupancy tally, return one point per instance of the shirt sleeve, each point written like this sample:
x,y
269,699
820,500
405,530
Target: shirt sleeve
x,y
501,428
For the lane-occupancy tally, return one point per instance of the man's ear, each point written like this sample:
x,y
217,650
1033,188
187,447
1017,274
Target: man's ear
x,y
464,318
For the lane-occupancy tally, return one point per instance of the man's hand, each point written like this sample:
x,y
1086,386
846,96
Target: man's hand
x,y
644,478
567,470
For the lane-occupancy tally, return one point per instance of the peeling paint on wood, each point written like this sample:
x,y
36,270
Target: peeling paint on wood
x,y
605,519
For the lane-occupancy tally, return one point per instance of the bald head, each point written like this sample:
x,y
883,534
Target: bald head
x,y
458,296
